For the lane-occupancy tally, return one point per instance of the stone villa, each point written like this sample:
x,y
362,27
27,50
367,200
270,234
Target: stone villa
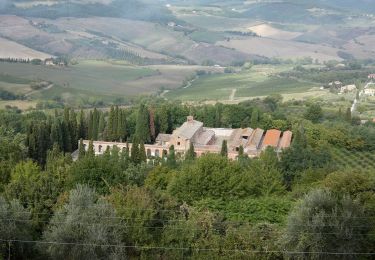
x,y
208,140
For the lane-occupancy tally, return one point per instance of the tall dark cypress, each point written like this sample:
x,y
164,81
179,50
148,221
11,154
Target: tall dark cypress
x,y
110,124
81,150
142,153
95,124
134,152
101,126
82,128
90,133
115,136
171,161
56,134
73,127
190,154
142,129
224,149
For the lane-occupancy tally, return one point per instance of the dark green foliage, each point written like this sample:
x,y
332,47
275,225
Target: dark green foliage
x,y
314,113
254,118
224,149
190,154
142,130
171,160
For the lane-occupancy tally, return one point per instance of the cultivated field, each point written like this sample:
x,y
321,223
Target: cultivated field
x,y
281,49
259,81
95,80
10,49
354,160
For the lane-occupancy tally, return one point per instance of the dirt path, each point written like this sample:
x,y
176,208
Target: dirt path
x,y
190,83
162,95
231,97
38,90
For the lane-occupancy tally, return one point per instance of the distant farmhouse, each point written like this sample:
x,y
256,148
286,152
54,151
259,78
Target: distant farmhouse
x,y
55,62
371,77
369,92
335,84
348,89
208,140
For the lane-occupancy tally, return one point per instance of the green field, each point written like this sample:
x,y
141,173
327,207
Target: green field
x,y
94,76
258,81
354,160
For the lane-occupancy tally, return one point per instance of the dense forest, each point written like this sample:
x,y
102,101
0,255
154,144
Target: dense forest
x,y
300,205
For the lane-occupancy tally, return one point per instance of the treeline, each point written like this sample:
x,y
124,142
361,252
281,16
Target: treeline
x,y
15,60
6,95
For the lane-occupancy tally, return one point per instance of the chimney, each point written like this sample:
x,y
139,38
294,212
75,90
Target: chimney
x,y
190,119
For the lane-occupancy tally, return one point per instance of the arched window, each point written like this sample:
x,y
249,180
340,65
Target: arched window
x,y
157,154
165,152
100,149
148,152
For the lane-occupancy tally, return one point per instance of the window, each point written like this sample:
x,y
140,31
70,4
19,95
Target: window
x,y
178,143
237,149
100,148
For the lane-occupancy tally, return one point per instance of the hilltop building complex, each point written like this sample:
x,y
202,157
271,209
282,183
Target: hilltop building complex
x,y
208,140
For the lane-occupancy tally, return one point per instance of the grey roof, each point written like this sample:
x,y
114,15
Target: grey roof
x,y
205,137
188,129
255,138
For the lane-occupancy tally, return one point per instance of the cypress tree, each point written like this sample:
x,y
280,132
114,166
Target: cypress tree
x,y
142,153
56,134
110,124
82,125
73,130
81,149
164,120
91,126
101,126
152,124
121,132
91,151
142,129
135,157
348,115
254,118
172,157
190,154
242,157
95,124
116,119
224,149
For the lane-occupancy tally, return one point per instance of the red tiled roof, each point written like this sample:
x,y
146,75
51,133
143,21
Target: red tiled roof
x,y
272,138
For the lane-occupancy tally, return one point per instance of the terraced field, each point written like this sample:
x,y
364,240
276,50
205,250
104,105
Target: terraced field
x,y
354,160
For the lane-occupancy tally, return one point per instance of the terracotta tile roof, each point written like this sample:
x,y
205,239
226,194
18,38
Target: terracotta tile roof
x,y
286,140
271,138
